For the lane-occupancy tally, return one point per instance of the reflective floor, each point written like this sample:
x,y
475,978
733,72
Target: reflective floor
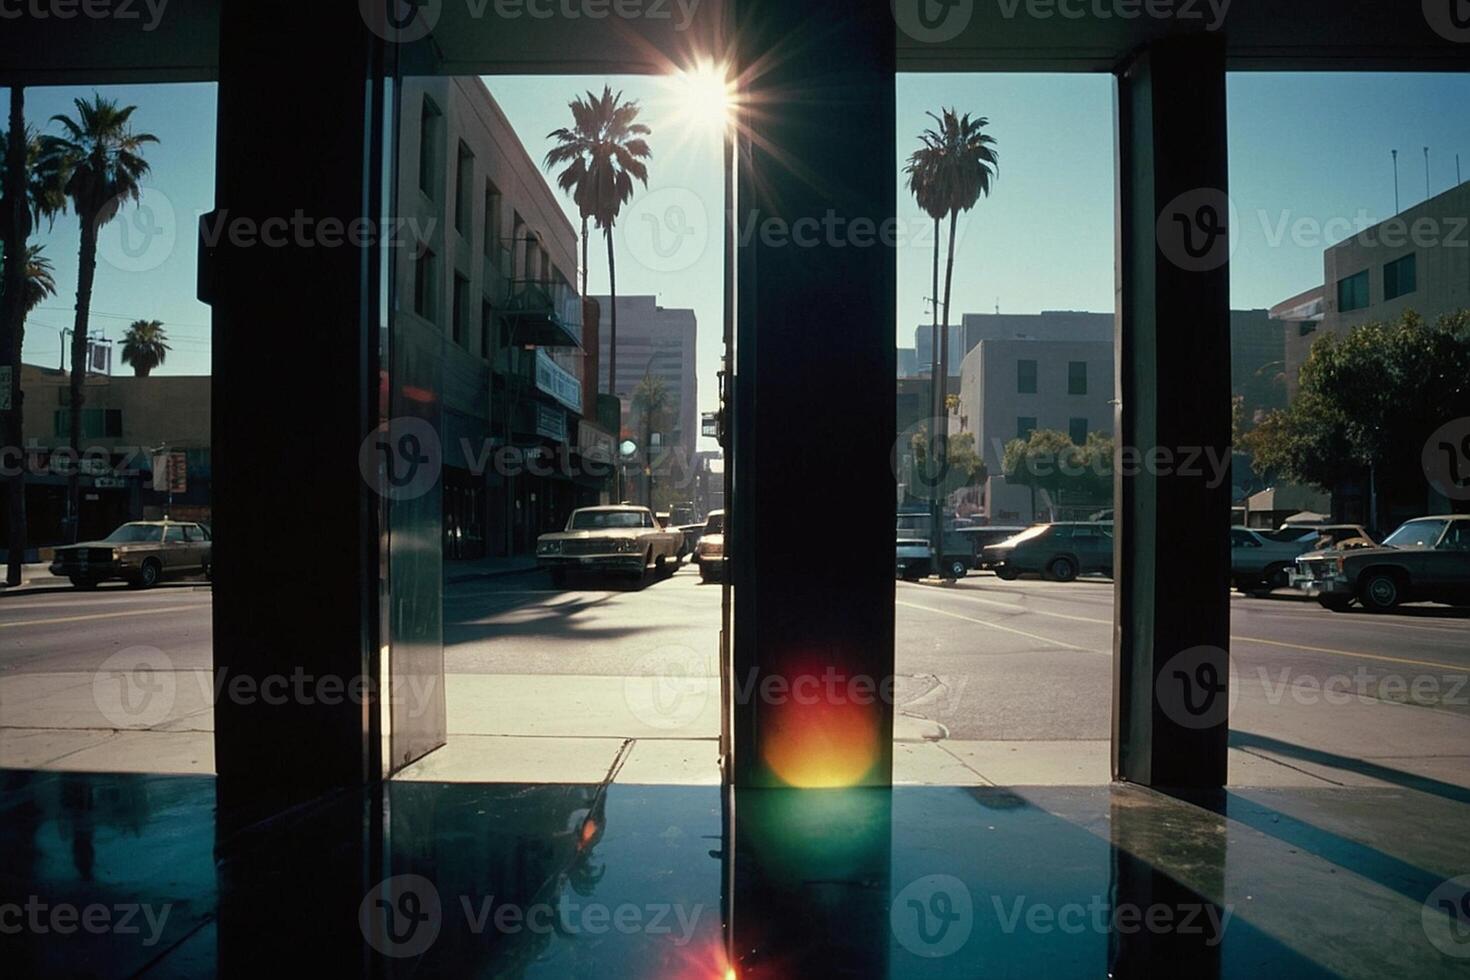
x,y
119,875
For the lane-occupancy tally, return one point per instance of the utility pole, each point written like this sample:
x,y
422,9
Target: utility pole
x,y
1426,173
1395,180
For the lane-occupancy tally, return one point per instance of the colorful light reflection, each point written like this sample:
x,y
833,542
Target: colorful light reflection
x,y
822,730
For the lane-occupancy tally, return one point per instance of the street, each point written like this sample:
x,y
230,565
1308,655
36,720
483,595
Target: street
x,y
983,666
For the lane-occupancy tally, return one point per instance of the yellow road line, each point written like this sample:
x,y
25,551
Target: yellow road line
x,y
996,626
1454,668
111,615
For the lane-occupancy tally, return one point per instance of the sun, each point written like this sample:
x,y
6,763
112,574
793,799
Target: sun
x,y
703,97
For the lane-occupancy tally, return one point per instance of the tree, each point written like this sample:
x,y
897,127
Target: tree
x,y
100,166
604,152
145,346
1367,402
651,400
953,166
27,193
966,468
1050,461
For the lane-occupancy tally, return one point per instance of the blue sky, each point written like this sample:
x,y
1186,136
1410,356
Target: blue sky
x,y
1305,150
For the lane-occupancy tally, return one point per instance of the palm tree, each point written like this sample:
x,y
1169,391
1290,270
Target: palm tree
x,y
604,153
954,165
100,164
40,280
145,346
651,400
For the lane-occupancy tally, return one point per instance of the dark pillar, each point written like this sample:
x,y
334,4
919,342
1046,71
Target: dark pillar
x,y
1171,640
296,572
813,396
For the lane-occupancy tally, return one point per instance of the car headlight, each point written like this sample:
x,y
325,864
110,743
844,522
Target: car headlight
x,y
548,547
628,544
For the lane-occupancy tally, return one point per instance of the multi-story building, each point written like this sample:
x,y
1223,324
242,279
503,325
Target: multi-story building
x,y
654,342
126,422
1417,260
488,315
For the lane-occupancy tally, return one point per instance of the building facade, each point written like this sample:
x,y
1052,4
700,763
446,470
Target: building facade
x,y
655,342
488,315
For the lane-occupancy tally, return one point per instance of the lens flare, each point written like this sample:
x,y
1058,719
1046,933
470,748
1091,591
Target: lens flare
x,y
823,731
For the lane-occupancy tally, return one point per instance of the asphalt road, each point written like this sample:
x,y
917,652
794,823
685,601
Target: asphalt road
x,y
985,659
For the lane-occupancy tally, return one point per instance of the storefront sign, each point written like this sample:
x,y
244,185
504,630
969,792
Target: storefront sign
x,y
558,382
551,423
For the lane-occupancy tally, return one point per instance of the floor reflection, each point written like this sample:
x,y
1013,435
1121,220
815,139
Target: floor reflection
x,y
609,880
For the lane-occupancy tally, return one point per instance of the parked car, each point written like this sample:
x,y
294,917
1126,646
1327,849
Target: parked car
x,y
1426,559
1060,551
1260,563
1324,536
141,553
980,538
709,553
619,538
912,558
958,554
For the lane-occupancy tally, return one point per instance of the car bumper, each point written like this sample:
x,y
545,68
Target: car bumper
x,y
711,565
624,563
96,571
1332,585
911,566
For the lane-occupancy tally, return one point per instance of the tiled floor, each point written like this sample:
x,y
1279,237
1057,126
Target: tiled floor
x,y
597,879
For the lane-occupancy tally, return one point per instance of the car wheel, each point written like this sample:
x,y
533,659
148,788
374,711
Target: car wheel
x,y
1335,603
1278,576
958,568
1380,591
1062,569
209,571
78,582
149,574
1007,573
1244,584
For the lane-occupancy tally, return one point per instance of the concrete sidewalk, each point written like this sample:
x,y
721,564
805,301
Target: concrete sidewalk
x,y
456,572
34,576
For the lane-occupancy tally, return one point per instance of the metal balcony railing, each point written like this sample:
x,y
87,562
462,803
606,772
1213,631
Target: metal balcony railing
x,y
545,309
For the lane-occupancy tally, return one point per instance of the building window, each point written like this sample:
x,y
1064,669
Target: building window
x,y
487,332
1077,431
459,327
425,278
1025,425
1306,328
1352,292
1026,377
1076,377
429,121
464,174
1399,277
97,423
492,219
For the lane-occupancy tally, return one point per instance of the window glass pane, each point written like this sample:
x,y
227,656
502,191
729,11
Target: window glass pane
x,y
1076,377
1399,277
1026,377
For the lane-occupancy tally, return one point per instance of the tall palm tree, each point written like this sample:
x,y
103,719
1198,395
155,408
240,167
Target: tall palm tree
x,y
604,153
145,346
101,166
651,399
955,164
40,280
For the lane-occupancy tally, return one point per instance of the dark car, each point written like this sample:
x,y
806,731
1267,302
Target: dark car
x,y
982,537
1426,559
1060,551
141,553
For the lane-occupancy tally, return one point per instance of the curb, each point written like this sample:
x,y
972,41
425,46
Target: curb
x,y
497,573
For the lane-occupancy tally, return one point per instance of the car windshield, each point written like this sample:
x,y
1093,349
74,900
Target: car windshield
x,y
133,533
1030,533
715,524
591,520
1416,534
